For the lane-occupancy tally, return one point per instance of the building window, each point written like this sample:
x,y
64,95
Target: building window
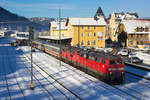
x,y
94,27
146,29
137,29
88,34
82,27
100,36
88,27
141,29
94,42
82,43
82,34
94,34
88,43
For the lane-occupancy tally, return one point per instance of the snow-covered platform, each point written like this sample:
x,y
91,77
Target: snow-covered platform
x,y
15,79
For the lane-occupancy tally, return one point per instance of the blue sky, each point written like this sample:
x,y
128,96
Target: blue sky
x,y
74,8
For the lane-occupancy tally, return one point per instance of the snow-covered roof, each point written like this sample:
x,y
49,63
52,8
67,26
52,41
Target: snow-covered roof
x,y
87,21
131,25
55,25
126,15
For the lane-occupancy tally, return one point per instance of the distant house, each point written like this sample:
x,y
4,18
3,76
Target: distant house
x,y
55,29
137,30
115,20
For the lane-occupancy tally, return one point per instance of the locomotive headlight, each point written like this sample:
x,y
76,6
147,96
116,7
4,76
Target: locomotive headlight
x,y
122,68
103,66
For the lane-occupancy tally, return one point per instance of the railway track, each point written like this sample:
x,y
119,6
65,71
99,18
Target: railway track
x,y
54,80
6,80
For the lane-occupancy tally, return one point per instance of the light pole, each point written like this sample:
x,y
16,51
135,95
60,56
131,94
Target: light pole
x,y
60,36
31,35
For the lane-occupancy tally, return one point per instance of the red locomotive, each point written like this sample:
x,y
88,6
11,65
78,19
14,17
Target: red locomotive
x,y
103,66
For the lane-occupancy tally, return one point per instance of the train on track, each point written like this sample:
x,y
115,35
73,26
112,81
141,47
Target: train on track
x,y
109,68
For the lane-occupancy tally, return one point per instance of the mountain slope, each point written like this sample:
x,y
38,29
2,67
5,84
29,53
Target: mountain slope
x,y
13,21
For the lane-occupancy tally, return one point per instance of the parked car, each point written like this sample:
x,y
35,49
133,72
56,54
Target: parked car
x,y
135,60
123,52
132,54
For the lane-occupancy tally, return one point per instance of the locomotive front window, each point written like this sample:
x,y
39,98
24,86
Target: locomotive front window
x,y
112,62
119,61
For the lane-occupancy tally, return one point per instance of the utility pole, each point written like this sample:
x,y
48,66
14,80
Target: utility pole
x,y
79,34
60,37
31,36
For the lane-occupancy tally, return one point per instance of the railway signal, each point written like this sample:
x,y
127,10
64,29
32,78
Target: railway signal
x,y
31,37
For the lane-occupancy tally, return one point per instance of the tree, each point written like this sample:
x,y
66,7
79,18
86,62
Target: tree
x,y
122,39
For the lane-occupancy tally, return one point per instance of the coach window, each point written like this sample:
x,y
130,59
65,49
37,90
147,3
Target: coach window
x,y
94,27
88,27
111,62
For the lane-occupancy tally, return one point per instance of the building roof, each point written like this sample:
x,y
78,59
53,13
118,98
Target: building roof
x,y
131,25
55,25
99,12
53,37
87,21
126,15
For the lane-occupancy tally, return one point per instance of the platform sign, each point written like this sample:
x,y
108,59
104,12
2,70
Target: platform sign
x,y
31,33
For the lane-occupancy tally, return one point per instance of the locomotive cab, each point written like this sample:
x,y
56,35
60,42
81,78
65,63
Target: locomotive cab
x,y
116,71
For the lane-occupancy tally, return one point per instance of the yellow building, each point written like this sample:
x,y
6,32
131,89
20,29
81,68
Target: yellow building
x,y
88,32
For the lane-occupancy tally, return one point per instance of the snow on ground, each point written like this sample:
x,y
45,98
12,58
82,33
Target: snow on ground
x,y
138,71
15,79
